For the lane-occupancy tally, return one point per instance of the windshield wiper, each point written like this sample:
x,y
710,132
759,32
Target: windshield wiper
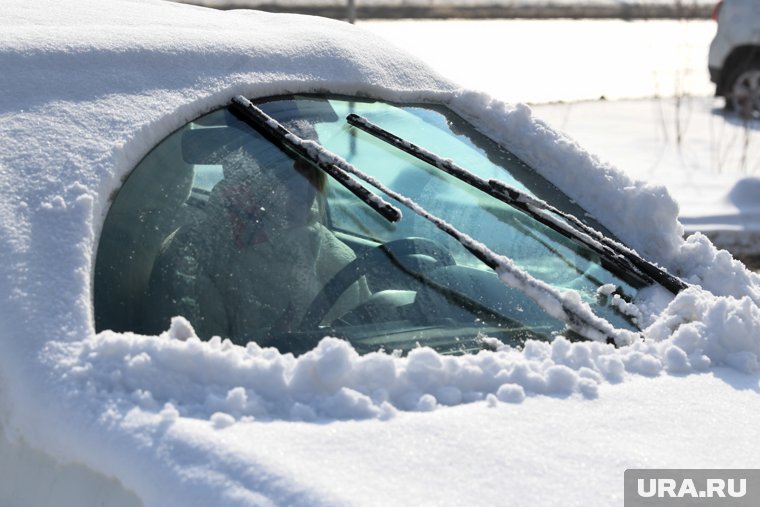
x,y
274,131
579,318
625,260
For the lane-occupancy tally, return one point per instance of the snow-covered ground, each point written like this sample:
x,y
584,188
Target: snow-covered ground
x,y
539,61
713,171
658,122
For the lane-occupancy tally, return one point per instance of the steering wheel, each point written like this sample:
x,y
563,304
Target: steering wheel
x,y
384,258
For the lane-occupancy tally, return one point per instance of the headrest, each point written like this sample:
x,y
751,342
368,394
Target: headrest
x,y
215,136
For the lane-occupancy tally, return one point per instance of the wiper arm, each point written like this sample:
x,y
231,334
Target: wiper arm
x,y
614,253
578,318
274,131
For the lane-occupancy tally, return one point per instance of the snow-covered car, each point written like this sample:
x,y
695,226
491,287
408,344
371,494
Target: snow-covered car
x,y
734,57
256,259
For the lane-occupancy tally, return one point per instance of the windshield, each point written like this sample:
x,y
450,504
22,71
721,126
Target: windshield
x,y
265,247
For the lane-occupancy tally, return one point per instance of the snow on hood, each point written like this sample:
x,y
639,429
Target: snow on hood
x,y
90,86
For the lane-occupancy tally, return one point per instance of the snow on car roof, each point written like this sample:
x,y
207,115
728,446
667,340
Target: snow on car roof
x,y
89,87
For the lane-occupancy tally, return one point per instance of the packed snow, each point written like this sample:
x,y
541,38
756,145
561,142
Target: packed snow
x,y
180,421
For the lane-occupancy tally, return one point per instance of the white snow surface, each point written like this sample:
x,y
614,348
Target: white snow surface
x,y
90,86
711,172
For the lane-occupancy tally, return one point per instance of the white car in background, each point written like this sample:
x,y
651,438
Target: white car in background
x,y
734,58
255,259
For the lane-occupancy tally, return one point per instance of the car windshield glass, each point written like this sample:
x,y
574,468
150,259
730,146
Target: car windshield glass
x,y
254,244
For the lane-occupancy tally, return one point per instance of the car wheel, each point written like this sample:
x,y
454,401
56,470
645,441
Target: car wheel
x,y
744,90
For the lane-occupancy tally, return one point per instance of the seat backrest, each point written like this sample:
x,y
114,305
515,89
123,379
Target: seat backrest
x,y
142,216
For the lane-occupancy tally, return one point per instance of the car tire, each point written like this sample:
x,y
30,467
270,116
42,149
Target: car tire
x,y
743,90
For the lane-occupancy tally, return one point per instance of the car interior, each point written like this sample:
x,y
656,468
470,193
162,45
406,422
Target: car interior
x,y
421,287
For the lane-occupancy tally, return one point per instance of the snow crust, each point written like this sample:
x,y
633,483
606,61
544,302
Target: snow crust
x,y
180,421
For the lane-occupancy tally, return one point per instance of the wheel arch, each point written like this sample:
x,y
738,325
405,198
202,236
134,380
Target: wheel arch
x,y
741,55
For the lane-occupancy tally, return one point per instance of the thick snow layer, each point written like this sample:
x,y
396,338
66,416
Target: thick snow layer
x,y
220,382
179,421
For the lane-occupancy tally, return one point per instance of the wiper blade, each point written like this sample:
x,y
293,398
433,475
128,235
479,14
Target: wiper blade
x,y
578,318
273,130
621,257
